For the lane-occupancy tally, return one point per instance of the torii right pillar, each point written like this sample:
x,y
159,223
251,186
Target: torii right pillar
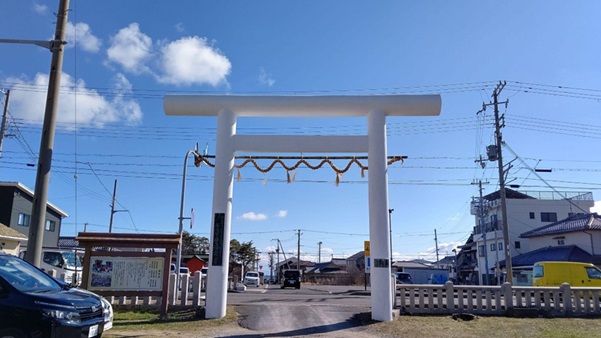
x,y
379,229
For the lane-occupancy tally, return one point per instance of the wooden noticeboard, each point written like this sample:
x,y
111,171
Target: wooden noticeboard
x,y
112,268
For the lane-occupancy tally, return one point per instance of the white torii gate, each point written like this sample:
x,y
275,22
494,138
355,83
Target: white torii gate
x,y
228,107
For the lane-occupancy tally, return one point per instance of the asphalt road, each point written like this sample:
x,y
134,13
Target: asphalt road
x,y
326,311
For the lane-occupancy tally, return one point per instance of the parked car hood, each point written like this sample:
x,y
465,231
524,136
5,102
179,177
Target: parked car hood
x,y
73,296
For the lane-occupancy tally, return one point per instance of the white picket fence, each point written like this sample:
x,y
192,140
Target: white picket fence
x,y
498,300
191,293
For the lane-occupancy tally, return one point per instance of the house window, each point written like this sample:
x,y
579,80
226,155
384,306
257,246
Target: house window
x,y
531,215
548,217
517,244
493,222
23,220
50,225
500,246
481,250
493,247
561,242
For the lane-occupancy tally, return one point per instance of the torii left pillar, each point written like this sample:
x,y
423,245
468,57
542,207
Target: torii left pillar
x,y
375,108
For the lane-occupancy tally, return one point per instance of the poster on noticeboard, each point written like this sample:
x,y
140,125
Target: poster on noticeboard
x,y
126,273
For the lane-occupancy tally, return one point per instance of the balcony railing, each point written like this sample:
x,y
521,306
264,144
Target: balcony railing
x,y
486,227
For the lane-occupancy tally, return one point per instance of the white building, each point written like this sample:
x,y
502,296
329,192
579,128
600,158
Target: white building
x,y
582,230
526,211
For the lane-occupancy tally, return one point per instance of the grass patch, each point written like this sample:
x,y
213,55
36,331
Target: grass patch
x,y
142,319
445,326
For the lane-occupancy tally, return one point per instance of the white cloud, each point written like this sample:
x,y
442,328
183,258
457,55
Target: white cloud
x,y
81,35
444,249
187,61
131,49
282,213
597,207
92,108
40,9
180,27
191,60
265,78
251,216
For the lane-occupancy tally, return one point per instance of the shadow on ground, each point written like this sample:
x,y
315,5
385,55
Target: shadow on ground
x,y
356,321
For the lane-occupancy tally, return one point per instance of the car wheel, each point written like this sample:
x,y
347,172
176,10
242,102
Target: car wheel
x,y
12,333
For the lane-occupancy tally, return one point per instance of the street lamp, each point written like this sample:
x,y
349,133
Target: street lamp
x,y
178,261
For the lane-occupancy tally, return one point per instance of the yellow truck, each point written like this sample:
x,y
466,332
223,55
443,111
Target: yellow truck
x,y
573,273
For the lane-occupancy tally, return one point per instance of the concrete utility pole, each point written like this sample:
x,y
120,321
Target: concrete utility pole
x,y
271,265
298,252
319,252
3,126
277,272
113,206
484,231
503,195
390,227
40,197
436,242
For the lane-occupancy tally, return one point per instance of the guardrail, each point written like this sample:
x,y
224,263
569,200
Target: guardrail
x,y
562,301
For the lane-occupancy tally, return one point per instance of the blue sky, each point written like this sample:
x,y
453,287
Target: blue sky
x,y
122,57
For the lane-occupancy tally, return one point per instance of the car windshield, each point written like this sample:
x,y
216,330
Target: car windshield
x,y
252,274
291,274
24,276
71,259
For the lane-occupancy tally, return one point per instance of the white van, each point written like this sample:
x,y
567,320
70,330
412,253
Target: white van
x,y
65,263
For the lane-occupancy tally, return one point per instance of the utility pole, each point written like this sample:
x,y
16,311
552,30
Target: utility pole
x,y
40,197
3,126
499,142
390,227
277,251
113,210
298,252
484,231
271,265
436,242
319,252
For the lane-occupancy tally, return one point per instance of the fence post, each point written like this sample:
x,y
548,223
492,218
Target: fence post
x,y
566,294
450,296
393,286
173,291
507,292
184,285
196,280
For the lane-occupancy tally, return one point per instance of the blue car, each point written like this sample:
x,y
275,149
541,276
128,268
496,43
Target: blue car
x,y
33,304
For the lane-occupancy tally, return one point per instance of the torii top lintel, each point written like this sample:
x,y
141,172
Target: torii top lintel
x,y
303,106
